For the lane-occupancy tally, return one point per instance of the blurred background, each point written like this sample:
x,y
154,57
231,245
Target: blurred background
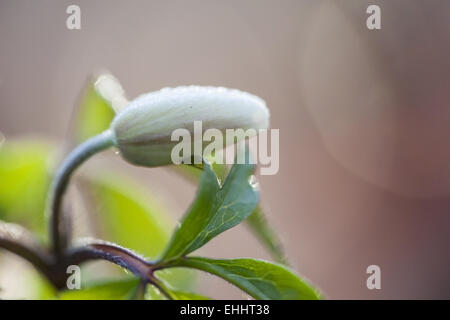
x,y
364,119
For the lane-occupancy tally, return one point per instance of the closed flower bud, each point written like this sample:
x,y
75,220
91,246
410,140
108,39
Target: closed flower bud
x,y
144,128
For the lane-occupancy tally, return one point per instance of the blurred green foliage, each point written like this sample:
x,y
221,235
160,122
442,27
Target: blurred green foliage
x,y
24,172
93,115
155,294
258,224
128,214
124,289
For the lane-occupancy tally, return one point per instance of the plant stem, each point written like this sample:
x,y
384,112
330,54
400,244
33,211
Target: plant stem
x,y
97,249
19,241
61,180
161,287
141,290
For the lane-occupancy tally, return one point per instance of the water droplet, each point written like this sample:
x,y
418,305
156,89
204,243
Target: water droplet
x,y
116,151
253,182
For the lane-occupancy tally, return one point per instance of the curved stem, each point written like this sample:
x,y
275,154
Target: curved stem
x,y
60,182
96,249
19,241
161,287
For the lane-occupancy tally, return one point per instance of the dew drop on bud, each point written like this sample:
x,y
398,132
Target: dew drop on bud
x,y
253,182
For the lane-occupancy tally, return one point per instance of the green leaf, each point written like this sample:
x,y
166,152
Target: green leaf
x,y
93,115
257,221
24,181
260,279
129,215
154,294
178,295
39,286
215,209
259,225
124,289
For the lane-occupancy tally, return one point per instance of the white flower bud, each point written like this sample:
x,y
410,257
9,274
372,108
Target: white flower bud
x,y
143,129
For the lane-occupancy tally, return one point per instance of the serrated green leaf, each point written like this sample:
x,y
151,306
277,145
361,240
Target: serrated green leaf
x,y
93,115
215,209
124,289
24,181
260,279
257,221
